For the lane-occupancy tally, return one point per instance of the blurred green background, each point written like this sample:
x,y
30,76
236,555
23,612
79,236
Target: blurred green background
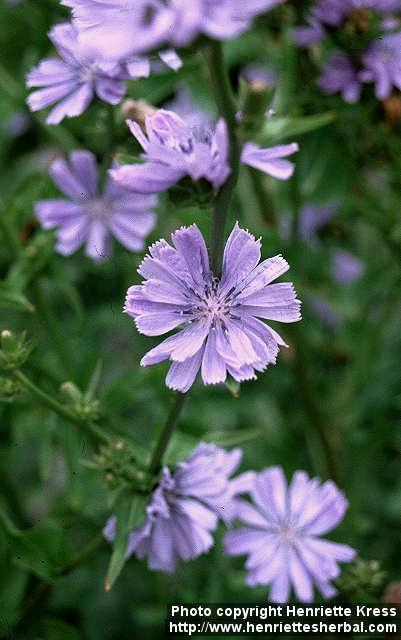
x,y
336,389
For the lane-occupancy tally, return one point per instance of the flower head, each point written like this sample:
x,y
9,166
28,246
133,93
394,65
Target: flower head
x,y
72,81
219,331
120,28
382,64
346,267
89,216
312,218
282,536
184,508
309,34
340,75
173,149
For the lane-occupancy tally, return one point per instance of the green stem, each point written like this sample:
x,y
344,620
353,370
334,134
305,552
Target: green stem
x,y
265,203
227,108
10,237
45,309
311,410
60,409
110,140
167,432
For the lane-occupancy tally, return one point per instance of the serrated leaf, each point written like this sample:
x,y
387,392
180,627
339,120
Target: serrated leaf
x,y
130,513
10,296
277,129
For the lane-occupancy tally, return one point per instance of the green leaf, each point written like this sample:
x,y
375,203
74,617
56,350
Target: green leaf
x,y
130,513
5,520
43,550
12,589
277,129
10,296
94,381
234,438
180,447
33,260
55,629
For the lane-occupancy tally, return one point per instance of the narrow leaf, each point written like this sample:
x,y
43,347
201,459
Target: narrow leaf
x,y
130,513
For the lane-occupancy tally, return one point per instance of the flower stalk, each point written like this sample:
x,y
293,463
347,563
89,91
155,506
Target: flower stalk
x,y
223,94
65,413
167,432
226,104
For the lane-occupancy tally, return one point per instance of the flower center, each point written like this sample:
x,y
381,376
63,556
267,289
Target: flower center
x,y
213,305
97,209
87,74
288,532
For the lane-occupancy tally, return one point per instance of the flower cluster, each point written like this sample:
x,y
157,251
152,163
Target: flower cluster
x,y
217,315
283,525
370,51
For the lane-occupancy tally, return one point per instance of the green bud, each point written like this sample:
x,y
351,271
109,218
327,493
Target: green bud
x,y
71,392
15,350
81,405
256,98
121,468
8,341
9,389
362,578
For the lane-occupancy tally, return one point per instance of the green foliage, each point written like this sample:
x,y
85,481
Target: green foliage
x,y
130,513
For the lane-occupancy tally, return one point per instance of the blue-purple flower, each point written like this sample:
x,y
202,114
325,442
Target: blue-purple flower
x,y
121,28
282,533
311,219
90,216
141,66
339,75
309,34
71,81
382,64
185,507
174,149
346,268
219,330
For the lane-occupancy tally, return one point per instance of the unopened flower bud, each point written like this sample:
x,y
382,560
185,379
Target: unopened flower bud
x,y
137,110
8,341
71,392
15,349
